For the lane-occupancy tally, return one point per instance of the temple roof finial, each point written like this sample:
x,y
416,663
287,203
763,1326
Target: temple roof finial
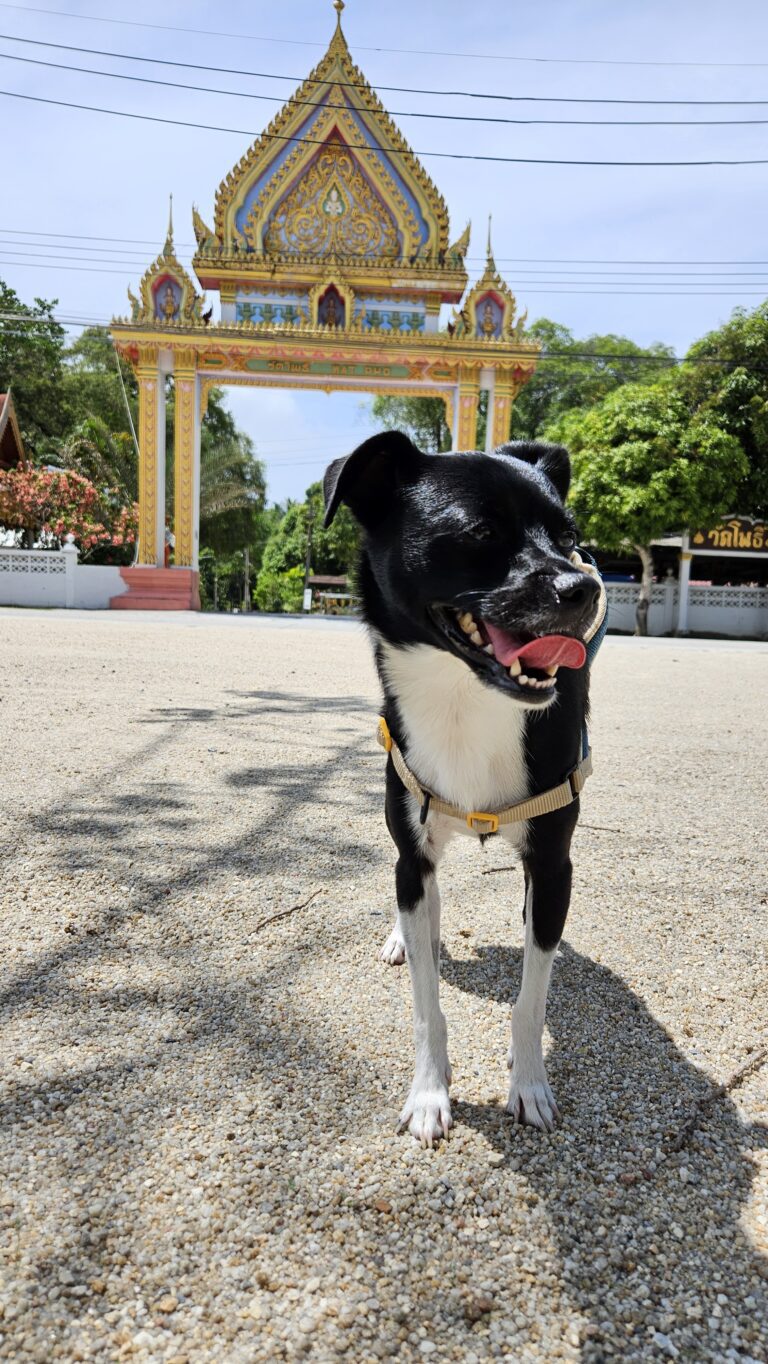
x,y
338,5
168,248
490,248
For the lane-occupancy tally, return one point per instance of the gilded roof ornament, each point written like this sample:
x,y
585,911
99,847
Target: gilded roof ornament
x,y
460,247
334,99
205,238
167,294
488,313
168,248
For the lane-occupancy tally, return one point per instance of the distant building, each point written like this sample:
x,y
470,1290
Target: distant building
x,y
11,448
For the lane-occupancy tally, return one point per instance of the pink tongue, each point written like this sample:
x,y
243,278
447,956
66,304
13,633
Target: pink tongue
x,y
539,653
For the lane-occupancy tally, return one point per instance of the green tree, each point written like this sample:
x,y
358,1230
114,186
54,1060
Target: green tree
x,y
333,550
423,419
568,378
92,382
728,378
106,457
644,465
32,365
232,482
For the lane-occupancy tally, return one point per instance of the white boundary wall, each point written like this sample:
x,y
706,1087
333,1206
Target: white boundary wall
x,y
732,611
43,577
34,577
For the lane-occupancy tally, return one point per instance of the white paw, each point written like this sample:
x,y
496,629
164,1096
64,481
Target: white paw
x,y
427,1115
531,1100
393,951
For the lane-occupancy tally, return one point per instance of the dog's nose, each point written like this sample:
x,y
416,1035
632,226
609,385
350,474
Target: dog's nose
x,y
577,595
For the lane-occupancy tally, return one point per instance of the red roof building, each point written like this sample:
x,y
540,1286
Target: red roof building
x,y
11,448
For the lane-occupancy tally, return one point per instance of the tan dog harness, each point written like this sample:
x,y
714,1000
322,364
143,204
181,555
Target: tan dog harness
x,y
482,821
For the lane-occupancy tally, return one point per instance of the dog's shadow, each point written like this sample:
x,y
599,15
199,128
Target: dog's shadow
x,y
636,1221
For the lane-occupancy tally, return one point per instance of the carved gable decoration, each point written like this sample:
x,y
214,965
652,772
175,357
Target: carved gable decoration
x,y
331,175
332,210
488,313
166,293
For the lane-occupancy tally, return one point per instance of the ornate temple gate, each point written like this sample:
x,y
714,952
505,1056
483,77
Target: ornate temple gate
x,y
331,256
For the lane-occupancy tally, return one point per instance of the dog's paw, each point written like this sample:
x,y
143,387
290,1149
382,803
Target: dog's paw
x,y
393,951
531,1101
427,1115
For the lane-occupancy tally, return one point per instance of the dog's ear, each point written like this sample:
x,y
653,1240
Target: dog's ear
x,y
367,478
553,460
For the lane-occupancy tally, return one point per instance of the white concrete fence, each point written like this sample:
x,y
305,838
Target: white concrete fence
x,y
734,611
53,577
34,577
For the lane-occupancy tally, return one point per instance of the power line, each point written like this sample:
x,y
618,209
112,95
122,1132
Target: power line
x,y
399,51
390,151
506,260
401,113
361,85
606,276
664,360
628,291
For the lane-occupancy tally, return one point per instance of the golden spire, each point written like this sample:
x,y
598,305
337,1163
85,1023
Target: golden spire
x,y
338,5
489,252
168,248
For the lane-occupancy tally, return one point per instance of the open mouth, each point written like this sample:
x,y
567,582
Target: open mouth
x,y
523,665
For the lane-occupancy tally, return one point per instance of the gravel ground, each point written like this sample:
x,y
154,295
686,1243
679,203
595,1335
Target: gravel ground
x,y
199,1163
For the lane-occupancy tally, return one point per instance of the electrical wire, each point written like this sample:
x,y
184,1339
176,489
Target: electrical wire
x,y
505,260
364,85
663,359
400,113
390,151
606,276
399,51
628,291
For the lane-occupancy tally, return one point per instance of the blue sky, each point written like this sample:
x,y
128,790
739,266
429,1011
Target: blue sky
x,y
93,176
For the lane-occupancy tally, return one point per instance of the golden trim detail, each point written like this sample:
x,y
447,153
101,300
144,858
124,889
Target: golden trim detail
x,y
148,463
184,467
335,66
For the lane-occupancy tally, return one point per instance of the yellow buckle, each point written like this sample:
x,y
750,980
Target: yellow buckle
x,y
384,736
477,817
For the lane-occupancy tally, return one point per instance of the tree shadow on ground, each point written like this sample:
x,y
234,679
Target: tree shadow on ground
x,y
634,1220
119,833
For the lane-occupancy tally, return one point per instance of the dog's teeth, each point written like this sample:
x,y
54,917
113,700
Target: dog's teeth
x,y
466,623
551,670
522,679
476,637
548,682
515,668
488,649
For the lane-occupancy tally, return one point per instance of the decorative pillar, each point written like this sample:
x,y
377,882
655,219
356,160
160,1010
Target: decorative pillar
x,y
186,460
228,300
500,408
490,443
151,459
682,586
450,411
466,415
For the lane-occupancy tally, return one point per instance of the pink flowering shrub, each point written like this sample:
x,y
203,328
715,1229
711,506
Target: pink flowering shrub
x,y
52,504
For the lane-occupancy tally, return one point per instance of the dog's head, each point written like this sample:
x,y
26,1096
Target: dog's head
x,y
471,553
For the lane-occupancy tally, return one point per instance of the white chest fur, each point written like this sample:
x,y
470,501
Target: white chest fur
x,y
465,741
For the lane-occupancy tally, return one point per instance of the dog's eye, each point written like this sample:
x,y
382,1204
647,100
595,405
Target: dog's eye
x,y
481,531
567,541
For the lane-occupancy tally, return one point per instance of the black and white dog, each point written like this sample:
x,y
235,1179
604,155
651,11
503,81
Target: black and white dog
x,y
479,609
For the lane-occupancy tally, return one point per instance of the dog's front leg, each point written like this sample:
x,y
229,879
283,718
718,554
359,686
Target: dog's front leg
x,y
427,1112
548,893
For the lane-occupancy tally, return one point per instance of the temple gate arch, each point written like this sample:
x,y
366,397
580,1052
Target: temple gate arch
x,y
331,256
